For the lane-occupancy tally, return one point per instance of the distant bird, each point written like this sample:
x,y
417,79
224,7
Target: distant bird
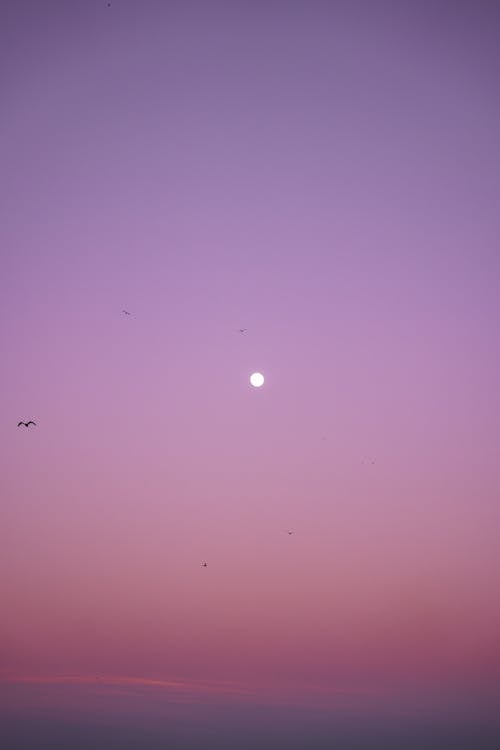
x,y
126,312
290,533
204,564
26,424
242,330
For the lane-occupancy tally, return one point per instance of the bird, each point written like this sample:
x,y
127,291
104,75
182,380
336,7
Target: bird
x,y
26,424
242,330
204,564
290,533
126,312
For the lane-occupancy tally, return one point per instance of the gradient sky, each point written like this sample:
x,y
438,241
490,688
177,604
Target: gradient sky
x,y
325,175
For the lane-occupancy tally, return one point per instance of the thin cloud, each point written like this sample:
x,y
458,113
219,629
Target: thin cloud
x,y
193,690
130,681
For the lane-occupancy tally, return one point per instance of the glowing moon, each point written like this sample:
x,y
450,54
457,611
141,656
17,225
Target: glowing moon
x,y
257,379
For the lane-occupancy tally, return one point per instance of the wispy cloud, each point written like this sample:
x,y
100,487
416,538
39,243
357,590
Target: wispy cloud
x,y
185,689
190,686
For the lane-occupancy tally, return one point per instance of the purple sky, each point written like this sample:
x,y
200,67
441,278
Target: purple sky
x,y
325,175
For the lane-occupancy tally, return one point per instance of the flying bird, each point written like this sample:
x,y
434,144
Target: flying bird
x,y
242,330
26,424
290,533
204,564
126,312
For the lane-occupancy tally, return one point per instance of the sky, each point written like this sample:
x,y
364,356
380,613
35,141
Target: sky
x,y
325,176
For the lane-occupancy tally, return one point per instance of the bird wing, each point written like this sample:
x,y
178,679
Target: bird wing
x,y
19,424
31,422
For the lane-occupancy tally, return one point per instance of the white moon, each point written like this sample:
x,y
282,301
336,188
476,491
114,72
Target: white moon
x,y
257,379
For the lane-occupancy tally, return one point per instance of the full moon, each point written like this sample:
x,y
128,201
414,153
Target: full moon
x,y
257,379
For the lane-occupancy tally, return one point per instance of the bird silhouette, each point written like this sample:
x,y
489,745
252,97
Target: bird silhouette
x,y
204,564
26,424
290,533
242,330
126,312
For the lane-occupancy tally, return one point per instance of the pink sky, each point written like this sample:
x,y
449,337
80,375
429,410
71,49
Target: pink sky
x,y
326,177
